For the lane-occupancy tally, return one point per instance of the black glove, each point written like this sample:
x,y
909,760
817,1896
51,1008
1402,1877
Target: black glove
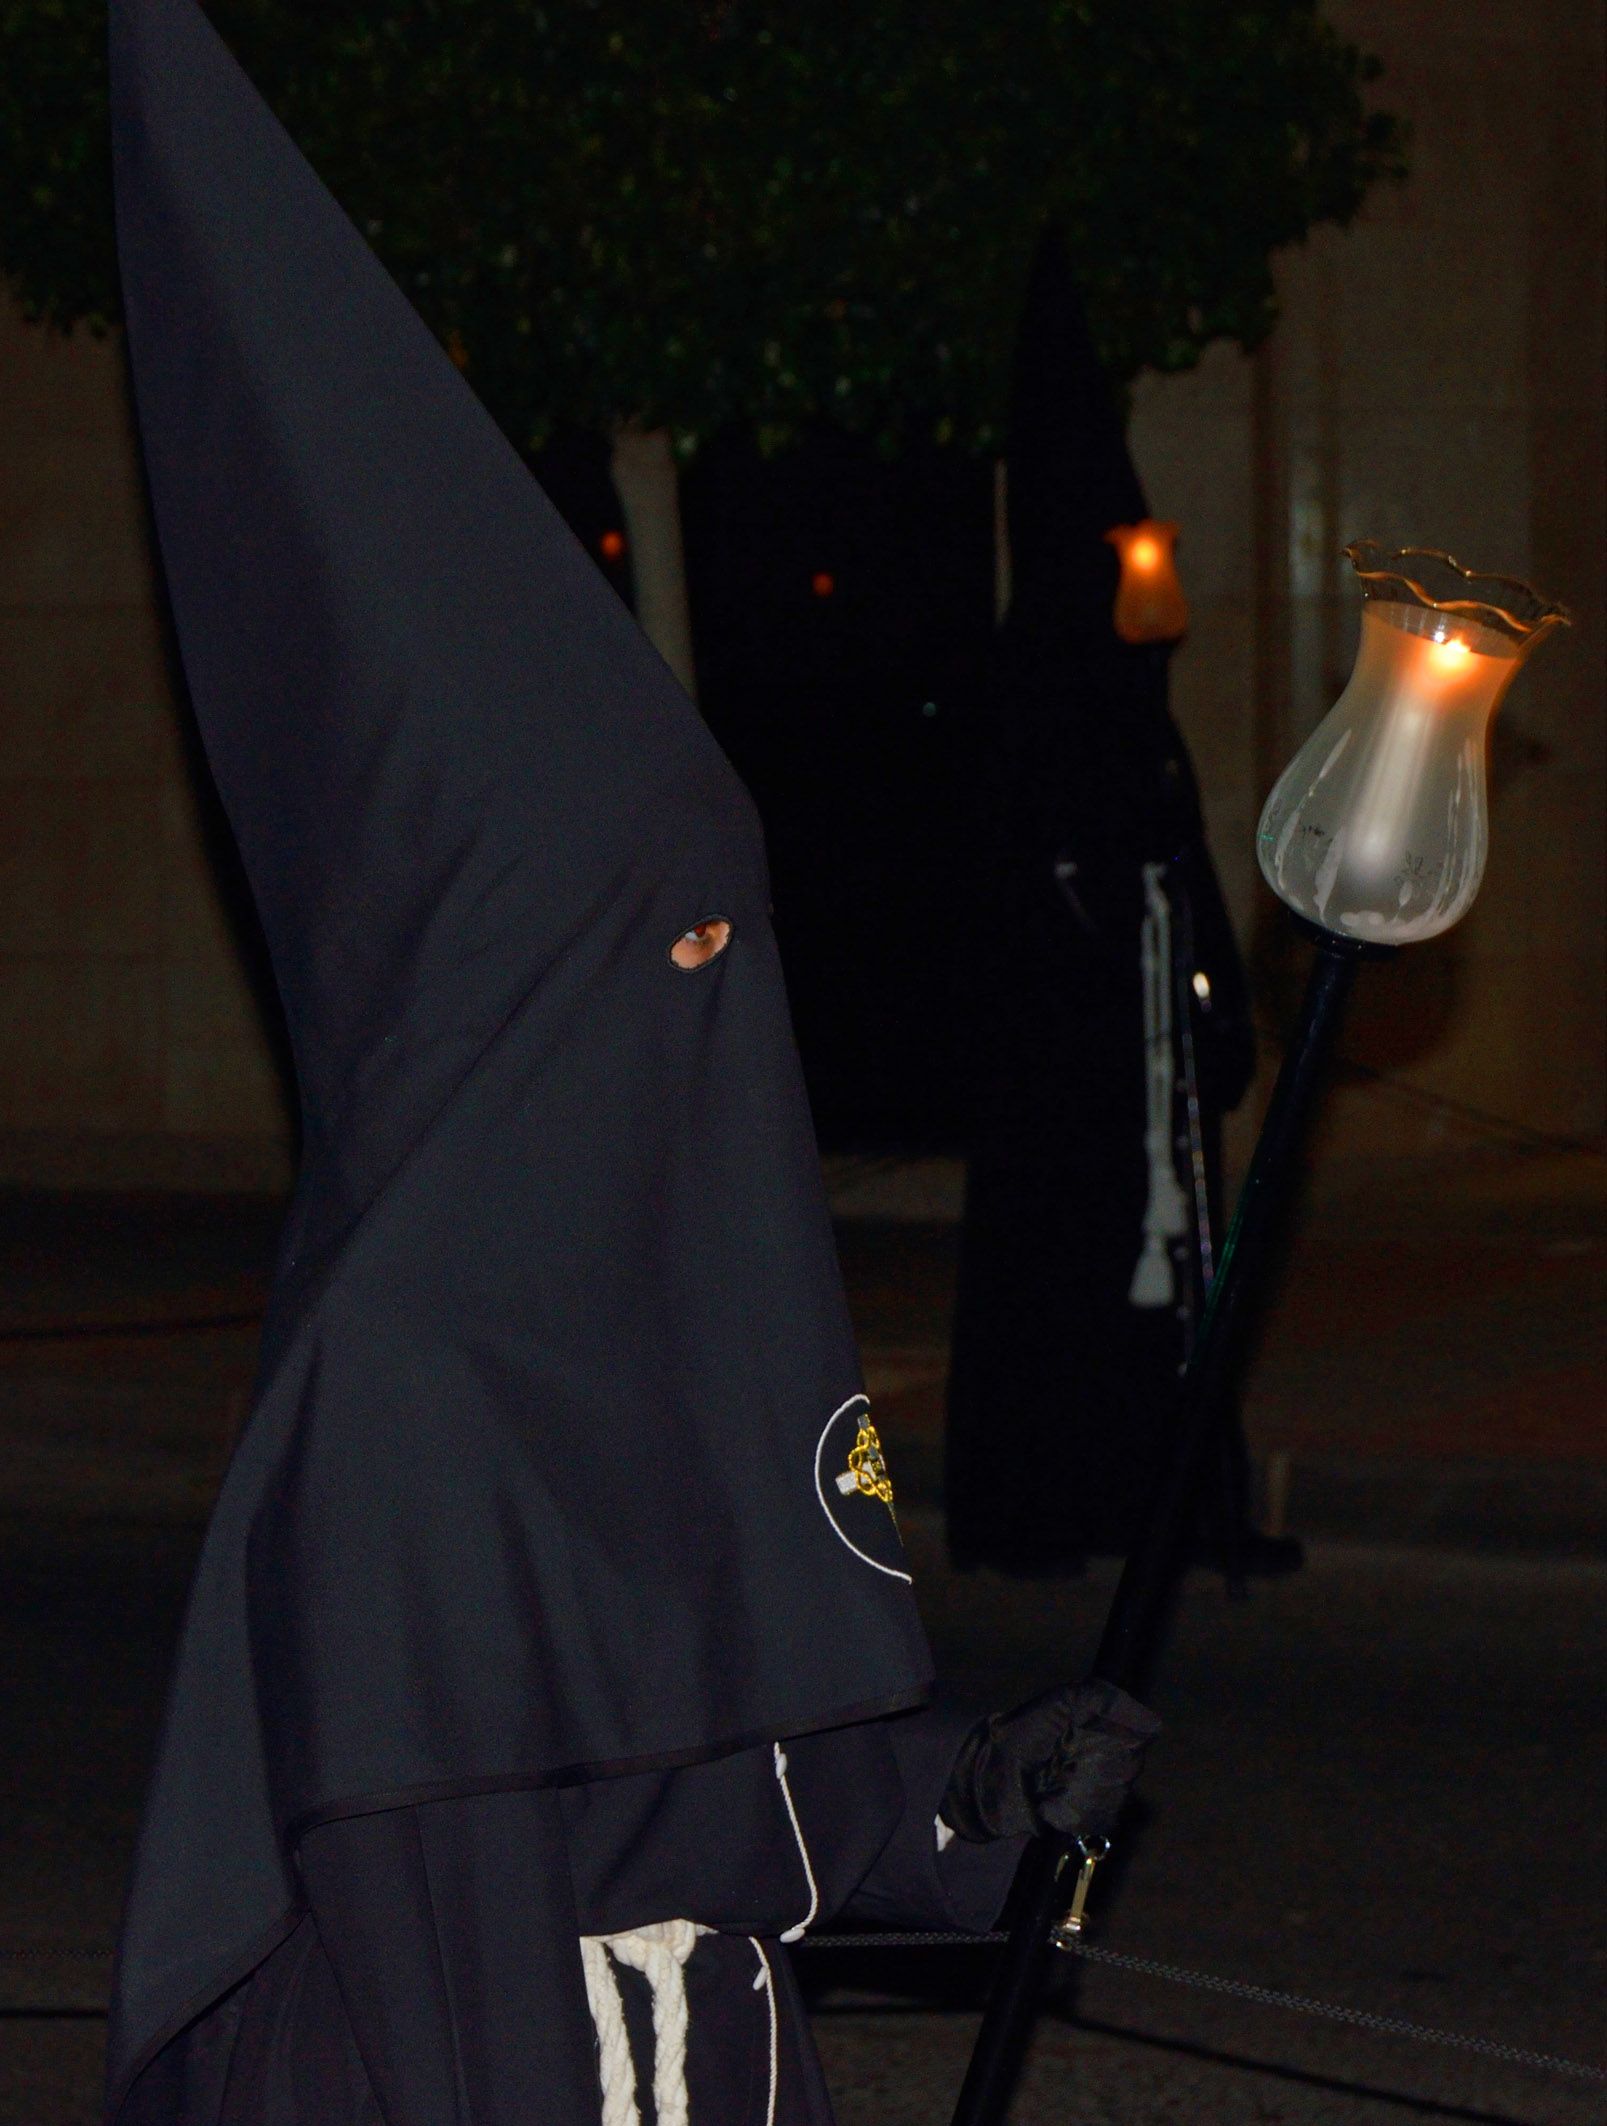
x,y
1061,1763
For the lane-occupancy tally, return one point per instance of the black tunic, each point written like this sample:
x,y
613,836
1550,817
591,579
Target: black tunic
x,y
432,1978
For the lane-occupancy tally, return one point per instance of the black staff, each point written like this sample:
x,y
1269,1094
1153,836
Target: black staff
x,y
1375,836
1042,1890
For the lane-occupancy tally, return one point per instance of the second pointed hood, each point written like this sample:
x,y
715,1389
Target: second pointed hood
x,y
1071,474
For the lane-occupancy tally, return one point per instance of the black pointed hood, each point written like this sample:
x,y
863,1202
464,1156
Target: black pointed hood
x,y
1071,475
434,728
548,1474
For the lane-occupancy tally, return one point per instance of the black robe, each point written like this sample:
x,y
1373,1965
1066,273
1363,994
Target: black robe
x,y
558,1470
432,1978
1061,1388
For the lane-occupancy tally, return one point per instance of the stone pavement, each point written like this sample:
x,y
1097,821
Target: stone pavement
x,y
1432,1367
1380,1783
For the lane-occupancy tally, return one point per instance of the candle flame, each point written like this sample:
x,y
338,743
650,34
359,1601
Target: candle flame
x,y
1144,553
1451,653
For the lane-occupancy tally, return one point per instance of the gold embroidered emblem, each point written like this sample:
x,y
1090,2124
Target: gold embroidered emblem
x,y
867,1468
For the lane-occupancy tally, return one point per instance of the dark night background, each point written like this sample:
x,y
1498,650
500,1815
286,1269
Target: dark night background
x,y
842,608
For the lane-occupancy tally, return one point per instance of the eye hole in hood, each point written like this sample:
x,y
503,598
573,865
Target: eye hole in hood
x,y
705,941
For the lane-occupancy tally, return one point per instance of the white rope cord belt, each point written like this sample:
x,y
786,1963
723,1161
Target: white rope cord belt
x,y
1166,1213
659,1952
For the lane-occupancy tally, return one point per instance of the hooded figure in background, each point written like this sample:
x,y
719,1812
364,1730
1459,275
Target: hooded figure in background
x,y
1110,1008
552,1657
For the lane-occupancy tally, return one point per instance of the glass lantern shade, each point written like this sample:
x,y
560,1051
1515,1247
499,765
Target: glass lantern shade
x,y
1377,830
1150,606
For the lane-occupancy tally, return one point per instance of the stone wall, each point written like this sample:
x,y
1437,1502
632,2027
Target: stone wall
x,y
131,1050
1438,376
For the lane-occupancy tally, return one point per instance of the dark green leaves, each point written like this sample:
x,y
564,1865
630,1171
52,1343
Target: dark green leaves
x,y
749,212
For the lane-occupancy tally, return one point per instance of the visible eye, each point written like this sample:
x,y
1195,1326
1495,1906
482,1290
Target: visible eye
x,y
695,948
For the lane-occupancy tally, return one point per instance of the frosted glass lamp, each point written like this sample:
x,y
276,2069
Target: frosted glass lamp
x,y
1377,830
1150,606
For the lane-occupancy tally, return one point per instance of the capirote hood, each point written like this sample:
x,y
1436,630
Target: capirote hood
x,y
559,1463
1071,474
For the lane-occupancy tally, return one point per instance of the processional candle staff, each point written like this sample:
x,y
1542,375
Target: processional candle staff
x,y
1375,836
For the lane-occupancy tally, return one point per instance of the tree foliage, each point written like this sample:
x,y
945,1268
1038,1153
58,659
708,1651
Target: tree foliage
x,y
691,212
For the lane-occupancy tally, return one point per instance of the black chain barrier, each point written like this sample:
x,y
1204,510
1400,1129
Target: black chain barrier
x,y
1090,1952
1239,1989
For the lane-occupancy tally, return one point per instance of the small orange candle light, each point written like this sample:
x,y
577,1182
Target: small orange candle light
x,y
1150,606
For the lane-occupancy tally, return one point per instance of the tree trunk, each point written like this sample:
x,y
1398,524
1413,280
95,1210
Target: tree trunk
x,y
644,475
1001,541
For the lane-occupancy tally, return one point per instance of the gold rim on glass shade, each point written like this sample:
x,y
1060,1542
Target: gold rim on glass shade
x,y
1422,575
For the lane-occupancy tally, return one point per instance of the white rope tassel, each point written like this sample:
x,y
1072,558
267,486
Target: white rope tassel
x,y
1166,1213
659,1952
798,1932
616,2070
765,1983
